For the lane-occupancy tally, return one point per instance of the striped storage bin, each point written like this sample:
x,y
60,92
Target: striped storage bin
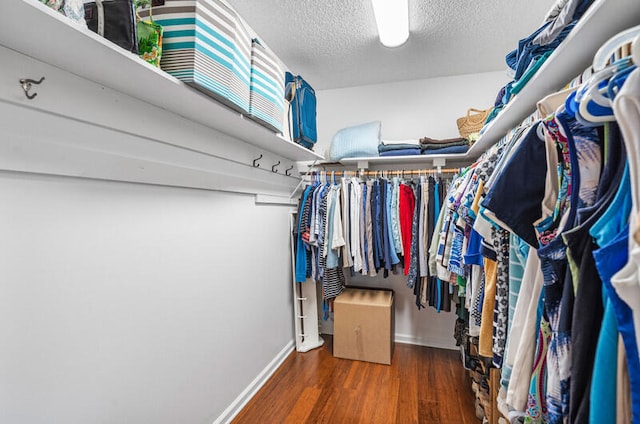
x,y
207,46
267,88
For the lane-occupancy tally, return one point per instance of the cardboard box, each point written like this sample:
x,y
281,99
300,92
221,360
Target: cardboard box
x,y
363,327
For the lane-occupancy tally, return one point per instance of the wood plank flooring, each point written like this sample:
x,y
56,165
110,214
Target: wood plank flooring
x,y
422,385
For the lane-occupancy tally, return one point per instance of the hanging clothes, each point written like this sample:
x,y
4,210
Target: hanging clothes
x,y
320,239
355,223
550,287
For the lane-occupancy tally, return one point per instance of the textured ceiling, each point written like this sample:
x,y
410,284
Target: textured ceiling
x,y
334,43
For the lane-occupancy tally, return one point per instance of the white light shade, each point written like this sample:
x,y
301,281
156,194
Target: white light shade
x,y
392,17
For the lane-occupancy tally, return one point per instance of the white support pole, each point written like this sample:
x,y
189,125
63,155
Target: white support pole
x,y
305,306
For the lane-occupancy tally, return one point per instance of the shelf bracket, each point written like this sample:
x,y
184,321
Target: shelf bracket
x,y
439,163
363,164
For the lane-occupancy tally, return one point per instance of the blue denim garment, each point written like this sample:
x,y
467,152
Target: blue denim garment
x,y
514,56
384,224
392,251
531,51
528,52
378,253
581,9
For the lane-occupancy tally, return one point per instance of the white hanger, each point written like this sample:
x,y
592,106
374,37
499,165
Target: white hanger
x,y
609,48
590,93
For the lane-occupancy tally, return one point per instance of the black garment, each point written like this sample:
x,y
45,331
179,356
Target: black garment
x,y
517,193
433,282
417,280
414,262
378,254
588,310
385,221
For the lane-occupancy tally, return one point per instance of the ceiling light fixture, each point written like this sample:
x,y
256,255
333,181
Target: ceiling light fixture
x,y
392,18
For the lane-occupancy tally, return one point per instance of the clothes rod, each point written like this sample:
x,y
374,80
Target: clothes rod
x,y
381,173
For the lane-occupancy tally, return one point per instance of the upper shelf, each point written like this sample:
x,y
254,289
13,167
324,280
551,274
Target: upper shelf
x,y
408,160
82,52
602,20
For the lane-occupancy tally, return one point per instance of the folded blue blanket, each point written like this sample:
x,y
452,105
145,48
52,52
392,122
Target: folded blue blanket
x,y
402,152
445,150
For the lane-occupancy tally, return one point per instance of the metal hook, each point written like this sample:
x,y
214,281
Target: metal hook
x,y
286,172
255,162
26,86
273,168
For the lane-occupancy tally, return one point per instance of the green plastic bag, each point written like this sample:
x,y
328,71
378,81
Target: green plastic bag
x,y
54,4
149,37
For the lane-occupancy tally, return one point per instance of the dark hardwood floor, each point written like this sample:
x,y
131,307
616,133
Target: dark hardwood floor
x,y
422,385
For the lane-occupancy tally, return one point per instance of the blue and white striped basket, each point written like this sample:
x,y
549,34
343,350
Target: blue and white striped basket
x,y
207,46
267,88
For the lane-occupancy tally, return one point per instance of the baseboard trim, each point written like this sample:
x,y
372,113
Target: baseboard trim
x,y
251,390
448,343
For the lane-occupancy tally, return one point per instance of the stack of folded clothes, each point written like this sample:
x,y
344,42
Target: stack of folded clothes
x,y
424,146
430,146
399,148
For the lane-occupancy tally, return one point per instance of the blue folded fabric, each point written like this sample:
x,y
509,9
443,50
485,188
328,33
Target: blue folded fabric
x,y
445,150
402,152
389,147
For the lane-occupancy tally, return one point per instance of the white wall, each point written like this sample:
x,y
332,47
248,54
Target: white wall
x,y
126,303
132,303
408,109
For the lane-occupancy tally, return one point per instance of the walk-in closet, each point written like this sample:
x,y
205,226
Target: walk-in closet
x,y
368,211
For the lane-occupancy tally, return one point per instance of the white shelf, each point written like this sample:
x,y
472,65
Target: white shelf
x,y
409,160
604,19
78,50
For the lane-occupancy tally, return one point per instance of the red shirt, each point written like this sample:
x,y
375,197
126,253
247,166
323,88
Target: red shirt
x,y
407,206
